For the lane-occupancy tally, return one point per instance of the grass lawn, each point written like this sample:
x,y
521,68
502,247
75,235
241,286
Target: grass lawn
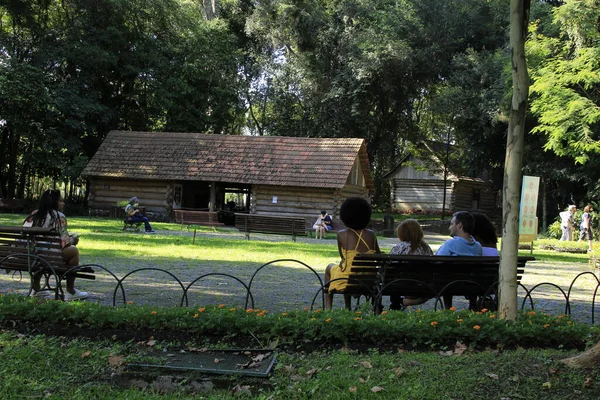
x,y
61,368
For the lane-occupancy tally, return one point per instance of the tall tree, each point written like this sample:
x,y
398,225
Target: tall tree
x,y
511,189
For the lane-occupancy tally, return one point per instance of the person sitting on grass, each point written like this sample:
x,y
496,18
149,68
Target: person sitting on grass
x,y
134,214
355,213
49,215
411,243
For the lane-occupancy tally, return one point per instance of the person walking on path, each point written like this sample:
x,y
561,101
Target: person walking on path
x,y
586,232
567,223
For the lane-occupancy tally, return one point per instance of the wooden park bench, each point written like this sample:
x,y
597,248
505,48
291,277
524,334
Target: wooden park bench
x,y
34,250
196,218
252,223
378,275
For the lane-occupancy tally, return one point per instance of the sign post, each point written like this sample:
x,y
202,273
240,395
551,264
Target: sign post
x,y
528,210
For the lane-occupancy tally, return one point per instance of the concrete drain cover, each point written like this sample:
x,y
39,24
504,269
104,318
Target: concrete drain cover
x,y
250,362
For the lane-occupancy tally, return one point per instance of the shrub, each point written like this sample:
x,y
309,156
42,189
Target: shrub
x,y
428,329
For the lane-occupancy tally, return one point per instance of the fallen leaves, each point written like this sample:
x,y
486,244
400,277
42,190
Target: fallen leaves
x,y
376,389
365,364
116,361
86,354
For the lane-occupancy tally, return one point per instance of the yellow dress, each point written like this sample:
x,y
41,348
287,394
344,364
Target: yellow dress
x,y
343,269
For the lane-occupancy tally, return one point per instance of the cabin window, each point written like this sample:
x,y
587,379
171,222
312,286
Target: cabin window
x,y
356,176
475,199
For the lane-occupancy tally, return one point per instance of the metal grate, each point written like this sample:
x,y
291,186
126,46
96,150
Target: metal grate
x,y
250,362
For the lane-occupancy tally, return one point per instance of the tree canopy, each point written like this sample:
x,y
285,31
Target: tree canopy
x,y
397,73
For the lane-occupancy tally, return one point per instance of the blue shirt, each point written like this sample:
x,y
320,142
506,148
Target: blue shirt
x,y
458,246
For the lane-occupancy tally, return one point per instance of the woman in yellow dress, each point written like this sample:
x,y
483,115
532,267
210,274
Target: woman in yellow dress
x,y
355,213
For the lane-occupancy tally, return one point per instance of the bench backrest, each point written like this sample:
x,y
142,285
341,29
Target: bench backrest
x,y
270,224
43,242
196,217
409,274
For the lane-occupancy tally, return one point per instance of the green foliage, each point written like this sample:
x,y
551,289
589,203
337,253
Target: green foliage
x,y
414,329
565,82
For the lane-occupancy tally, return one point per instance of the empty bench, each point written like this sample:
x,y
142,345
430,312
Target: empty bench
x,y
252,223
197,218
34,250
378,275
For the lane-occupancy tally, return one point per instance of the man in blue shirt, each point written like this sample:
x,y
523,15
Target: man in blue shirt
x,y
462,243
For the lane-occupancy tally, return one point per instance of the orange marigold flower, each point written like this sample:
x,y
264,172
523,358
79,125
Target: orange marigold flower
x,y
196,315
154,312
261,314
434,323
484,310
257,310
305,308
546,325
232,309
358,312
249,311
531,313
130,302
477,327
452,308
328,320
357,318
570,322
384,313
221,305
492,316
283,314
459,320
317,310
201,309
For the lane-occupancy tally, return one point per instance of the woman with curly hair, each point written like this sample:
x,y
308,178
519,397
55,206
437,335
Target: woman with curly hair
x,y
355,213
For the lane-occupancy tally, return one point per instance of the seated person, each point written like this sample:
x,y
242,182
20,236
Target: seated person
x,y
49,215
134,214
410,235
485,233
322,225
462,242
355,213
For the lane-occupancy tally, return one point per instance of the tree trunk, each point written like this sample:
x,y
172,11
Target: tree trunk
x,y
511,189
587,359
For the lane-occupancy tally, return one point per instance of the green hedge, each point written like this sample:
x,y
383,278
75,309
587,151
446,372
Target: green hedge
x,y
428,329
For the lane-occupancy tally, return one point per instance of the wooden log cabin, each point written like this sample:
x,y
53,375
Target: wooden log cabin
x,y
414,188
268,175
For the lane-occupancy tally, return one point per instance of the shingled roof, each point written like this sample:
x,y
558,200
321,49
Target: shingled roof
x,y
266,160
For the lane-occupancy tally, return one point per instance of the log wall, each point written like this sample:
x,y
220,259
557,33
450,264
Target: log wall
x,y
301,201
425,195
105,193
